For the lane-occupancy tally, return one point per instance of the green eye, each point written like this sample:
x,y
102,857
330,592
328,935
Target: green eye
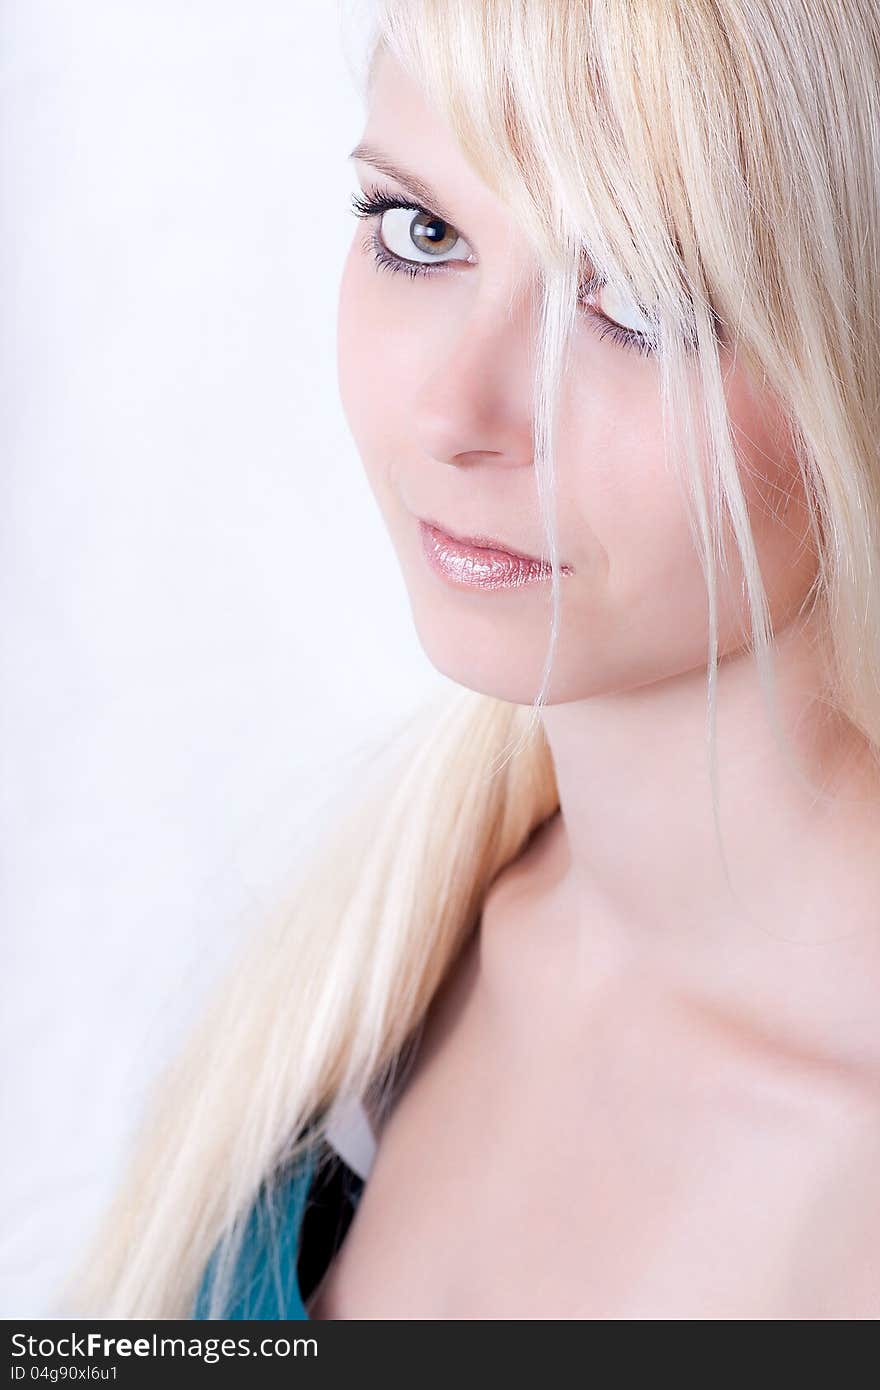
x,y
622,310
410,234
406,231
616,306
617,316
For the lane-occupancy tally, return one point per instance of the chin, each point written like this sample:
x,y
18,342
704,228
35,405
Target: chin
x,y
482,657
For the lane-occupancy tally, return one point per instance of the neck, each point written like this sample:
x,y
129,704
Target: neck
x,y
632,861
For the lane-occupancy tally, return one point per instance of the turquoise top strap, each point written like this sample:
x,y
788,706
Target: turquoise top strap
x,y
265,1283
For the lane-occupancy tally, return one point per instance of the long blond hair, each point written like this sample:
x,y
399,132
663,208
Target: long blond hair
x,y
718,161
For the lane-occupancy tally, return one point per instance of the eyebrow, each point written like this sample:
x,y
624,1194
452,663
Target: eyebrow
x,y
422,191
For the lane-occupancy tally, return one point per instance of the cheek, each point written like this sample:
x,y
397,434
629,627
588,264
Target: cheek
x,y
775,496
629,509
768,470
617,486
362,386
374,363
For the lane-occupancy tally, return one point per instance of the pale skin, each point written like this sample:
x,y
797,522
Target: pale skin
x,y
637,1096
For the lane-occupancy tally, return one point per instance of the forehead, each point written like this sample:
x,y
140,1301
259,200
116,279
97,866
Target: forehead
x,y
395,94
402,125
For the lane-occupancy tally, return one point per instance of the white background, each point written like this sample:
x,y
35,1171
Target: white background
x,y
182,674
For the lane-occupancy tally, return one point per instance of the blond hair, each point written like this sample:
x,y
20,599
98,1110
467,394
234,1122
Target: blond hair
x,y
717,160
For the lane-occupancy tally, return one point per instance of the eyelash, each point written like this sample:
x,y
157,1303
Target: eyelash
x,y
375,201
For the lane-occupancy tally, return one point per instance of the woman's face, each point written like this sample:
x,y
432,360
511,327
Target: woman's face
x,y
435,375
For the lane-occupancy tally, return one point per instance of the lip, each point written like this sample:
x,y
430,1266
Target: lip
x,y
480,562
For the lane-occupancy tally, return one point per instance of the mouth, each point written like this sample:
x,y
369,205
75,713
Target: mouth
x,y
481,562
485,543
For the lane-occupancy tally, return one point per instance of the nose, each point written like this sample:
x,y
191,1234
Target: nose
x,y
474,404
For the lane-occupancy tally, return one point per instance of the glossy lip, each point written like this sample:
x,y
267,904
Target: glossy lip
x,y
480,562
478,542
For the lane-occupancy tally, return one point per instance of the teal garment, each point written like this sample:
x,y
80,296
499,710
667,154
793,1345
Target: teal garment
x,y
255,1290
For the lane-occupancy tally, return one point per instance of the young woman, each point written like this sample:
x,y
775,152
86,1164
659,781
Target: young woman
x,y
577,1015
